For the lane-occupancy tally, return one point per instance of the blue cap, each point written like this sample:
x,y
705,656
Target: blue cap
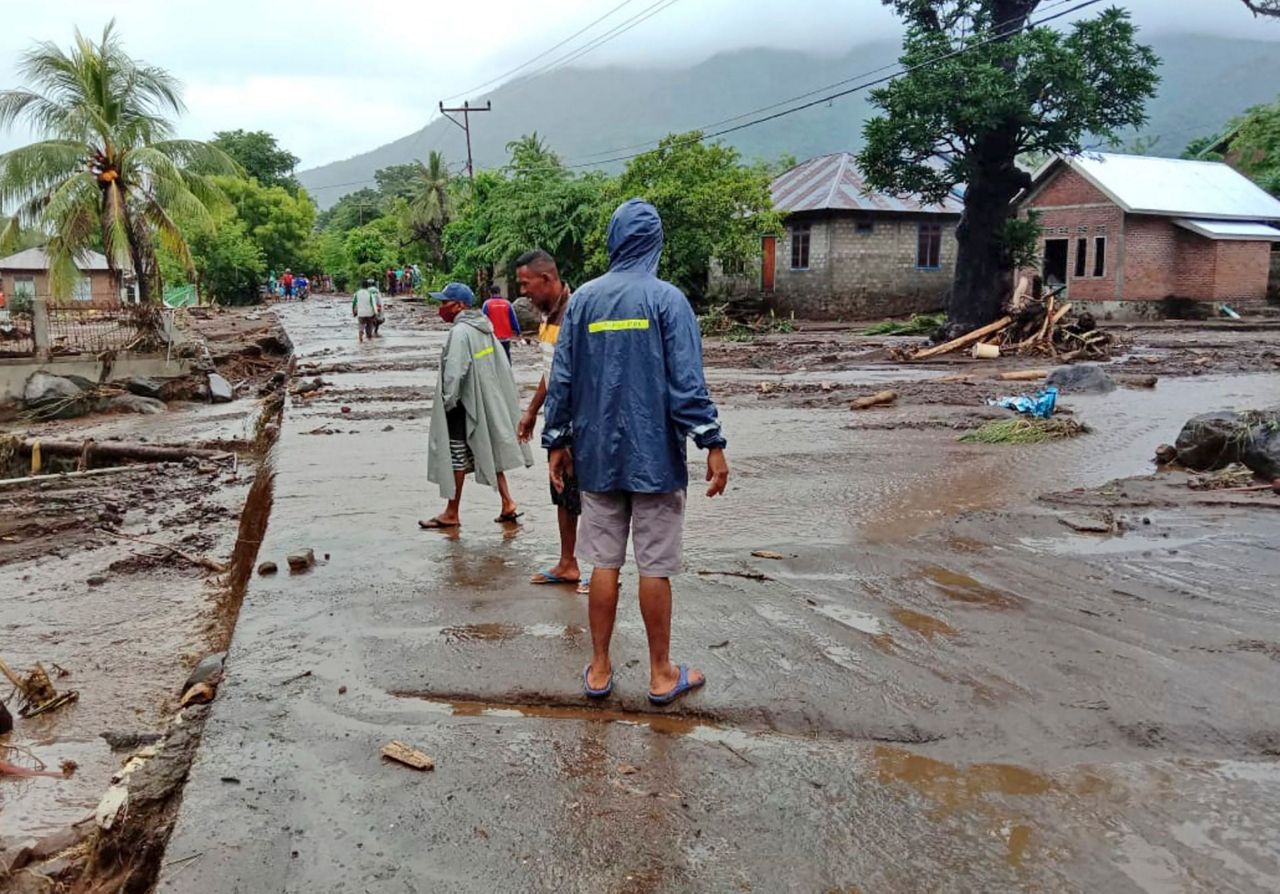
x,y
455,291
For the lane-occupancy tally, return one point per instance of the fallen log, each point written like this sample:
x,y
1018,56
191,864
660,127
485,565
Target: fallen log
x,y
118,450
965,340
879,399
1024,375
67,476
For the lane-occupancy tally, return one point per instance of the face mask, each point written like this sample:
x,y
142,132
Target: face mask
x,y
448,313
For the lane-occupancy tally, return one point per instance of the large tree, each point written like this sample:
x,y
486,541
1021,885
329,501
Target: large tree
x,y
108,172
260,155
430,205
985,84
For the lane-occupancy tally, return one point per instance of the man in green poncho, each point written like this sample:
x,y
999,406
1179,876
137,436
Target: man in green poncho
x,y
476,411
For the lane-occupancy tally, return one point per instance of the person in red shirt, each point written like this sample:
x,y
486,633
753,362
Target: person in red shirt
x,y
287,282
502,315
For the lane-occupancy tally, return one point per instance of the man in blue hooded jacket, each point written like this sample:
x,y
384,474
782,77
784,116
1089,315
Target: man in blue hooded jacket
x,y
626,391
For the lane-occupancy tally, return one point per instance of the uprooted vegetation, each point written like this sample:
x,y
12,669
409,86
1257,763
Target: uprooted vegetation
x,y
1025,431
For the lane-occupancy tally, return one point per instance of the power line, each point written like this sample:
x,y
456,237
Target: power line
x,y
865,85
617,31
540,56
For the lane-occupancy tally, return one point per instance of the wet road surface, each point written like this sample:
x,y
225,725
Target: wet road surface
x,y
941,688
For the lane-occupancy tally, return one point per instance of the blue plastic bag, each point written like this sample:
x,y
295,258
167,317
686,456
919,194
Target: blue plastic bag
x,y
1041,405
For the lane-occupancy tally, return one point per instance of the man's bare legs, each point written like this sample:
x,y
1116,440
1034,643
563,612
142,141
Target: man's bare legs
x,y
508,505
449,518
602,609
567,567
655,608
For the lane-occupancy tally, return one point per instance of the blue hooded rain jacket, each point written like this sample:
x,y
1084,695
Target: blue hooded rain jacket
x,y
626,388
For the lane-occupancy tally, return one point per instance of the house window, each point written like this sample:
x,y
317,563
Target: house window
x,y
1100,256
929,246
865,227
1082,250
24,287
82,290
734,267
800,247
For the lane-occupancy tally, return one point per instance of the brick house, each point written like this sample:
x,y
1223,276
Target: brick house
x,y
848,252
26,274
1126,231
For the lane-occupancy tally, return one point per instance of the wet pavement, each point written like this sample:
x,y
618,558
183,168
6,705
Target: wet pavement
x,y
940,688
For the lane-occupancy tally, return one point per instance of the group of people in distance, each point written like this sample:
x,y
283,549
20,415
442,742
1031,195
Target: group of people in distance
x,y
622,391
402,280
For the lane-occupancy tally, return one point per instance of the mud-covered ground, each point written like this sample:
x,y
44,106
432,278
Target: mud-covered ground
x,y
942,685
99,582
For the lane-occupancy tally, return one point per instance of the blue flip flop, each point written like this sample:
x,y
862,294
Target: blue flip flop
x,y
596,693
549,578
683,685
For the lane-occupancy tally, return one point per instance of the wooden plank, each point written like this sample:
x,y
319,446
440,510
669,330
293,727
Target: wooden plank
x,y
410,757
878,399
965,340
1024,375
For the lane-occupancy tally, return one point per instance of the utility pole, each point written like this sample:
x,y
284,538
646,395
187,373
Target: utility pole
x,y
466,110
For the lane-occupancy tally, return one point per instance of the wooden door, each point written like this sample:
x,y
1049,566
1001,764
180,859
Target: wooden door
x,y
768,262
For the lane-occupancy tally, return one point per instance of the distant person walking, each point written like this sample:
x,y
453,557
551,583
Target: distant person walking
x,y
506,325
475,413
366,307
540,282
286,281
626,391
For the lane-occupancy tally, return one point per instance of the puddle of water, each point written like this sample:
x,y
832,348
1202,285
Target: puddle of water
x,y
926,625
465,633
962,588
951,786
670,724
860,621
1083,545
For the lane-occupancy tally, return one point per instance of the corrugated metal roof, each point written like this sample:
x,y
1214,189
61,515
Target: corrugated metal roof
x,y
1230,229
38,259
1175,187
832,183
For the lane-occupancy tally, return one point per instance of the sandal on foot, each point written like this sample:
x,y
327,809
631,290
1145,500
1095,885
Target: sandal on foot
x,y
508,517
434,524
546,577
683,685
596,693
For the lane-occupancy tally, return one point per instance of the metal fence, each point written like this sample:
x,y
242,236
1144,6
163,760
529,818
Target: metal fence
x,y
84,328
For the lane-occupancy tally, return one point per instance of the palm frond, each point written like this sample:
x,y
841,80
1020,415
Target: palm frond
x,y
37,168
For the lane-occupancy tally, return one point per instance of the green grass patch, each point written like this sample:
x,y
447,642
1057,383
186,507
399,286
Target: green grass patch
x,y
919,324
1025,431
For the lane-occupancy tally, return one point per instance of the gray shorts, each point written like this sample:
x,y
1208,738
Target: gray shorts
x,y
655,523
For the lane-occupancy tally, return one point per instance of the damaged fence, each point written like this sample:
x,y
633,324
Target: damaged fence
x,y
17,333
46,329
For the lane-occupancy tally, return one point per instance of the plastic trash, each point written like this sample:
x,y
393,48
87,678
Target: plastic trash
x,y
1040,405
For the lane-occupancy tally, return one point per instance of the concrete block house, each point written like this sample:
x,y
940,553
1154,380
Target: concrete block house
x,y
848,252
1124,232
26,275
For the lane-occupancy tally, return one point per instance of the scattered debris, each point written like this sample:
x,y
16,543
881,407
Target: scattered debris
x,y
720,645
767,554
628,769
38,695
1104,523
919,324
209,670
1166,454
118,741
220,390
303,561
963,341
205,562
1025,431
410,757
749,575
879,399
268,568
1233,476
296,677
1040,405
308,387
1024,375
199,694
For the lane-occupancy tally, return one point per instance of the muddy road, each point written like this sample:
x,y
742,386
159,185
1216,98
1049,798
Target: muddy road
x,y
940,687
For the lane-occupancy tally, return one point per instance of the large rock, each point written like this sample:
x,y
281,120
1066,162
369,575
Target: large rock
x,y
133,403
1211,441
1082,378
1261,451
144,387
220,389
528,316
57,397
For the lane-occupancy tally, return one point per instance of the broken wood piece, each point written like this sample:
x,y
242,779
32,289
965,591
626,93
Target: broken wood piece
x,y
965,340
767,554
118,450
749,575
1048,319
1024,375
68,476
200,561
879,399
410,757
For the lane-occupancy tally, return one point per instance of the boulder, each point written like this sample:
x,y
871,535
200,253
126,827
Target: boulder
x,y
1081,378
1211,441
220,389
67,393
144,387
528,315
209,670
133,403
1261,451
302,561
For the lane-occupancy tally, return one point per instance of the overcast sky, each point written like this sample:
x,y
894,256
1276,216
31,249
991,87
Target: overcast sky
x,y
335,79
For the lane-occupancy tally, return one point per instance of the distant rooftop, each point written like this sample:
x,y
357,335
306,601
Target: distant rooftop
x,y
832,183
1172,187
38,259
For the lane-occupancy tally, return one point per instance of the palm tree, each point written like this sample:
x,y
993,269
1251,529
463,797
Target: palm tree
x,y
108,170
430,208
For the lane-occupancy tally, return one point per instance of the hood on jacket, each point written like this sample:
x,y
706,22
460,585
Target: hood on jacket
x,y
474,319
635,237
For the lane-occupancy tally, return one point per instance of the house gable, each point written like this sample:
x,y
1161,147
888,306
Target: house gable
x,y
1066,187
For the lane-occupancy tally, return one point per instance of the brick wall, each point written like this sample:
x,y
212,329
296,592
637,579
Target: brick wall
x,y
1242,271
1068,187
859,275
1089,224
